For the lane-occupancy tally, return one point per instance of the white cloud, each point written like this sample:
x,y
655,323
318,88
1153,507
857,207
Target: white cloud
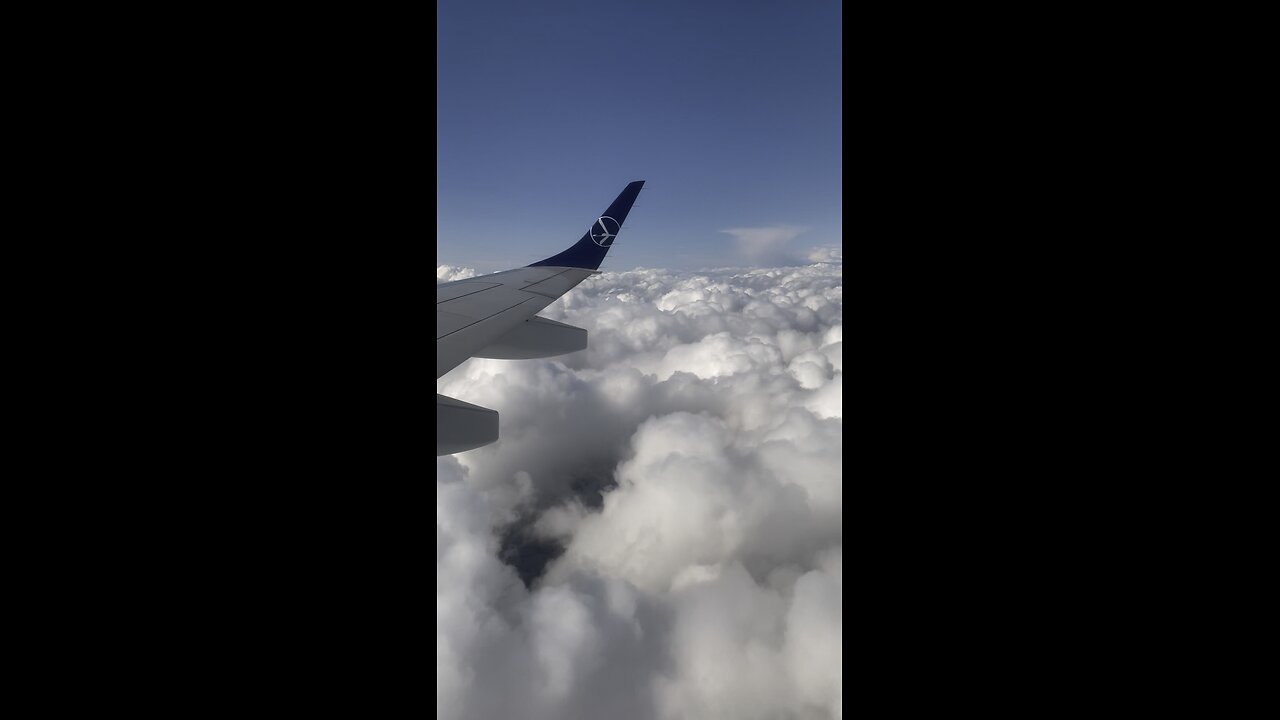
x,y
766,245
828,254
446,273
688,467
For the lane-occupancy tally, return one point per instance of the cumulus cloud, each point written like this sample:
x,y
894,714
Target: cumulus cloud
x,y
657,533
447,273
766,245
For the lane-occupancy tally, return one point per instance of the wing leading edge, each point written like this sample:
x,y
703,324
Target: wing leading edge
x,y
495,316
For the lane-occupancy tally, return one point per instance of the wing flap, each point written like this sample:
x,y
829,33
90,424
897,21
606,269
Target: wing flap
x,y
457,290
484,304
448,323
537,337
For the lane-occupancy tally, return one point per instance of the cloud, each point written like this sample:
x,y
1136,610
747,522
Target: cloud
x,y
672,495
767,245
447,273
827,254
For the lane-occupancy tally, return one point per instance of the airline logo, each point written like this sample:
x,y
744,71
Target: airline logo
x,y
604,231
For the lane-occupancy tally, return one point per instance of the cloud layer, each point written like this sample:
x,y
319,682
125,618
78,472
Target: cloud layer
x,y
673,498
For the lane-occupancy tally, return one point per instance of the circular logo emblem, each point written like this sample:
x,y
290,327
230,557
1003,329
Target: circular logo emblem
x,y
604,231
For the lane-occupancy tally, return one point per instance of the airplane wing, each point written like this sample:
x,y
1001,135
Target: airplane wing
x,y
495,316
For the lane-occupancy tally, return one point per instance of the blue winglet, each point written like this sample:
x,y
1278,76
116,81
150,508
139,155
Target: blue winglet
x,y
589,252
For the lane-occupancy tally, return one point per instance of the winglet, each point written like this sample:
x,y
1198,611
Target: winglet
x,y
589,252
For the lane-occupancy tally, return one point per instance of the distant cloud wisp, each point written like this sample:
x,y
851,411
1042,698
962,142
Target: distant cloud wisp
x,y
767,245
827,254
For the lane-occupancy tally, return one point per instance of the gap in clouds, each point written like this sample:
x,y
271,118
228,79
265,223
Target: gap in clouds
x,y
526,550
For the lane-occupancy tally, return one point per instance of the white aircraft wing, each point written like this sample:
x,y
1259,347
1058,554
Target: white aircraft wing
x,y
495,316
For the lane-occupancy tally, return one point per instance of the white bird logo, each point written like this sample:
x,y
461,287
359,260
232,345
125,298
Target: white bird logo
x,y
601,235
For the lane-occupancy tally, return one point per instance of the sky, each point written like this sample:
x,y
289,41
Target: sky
x,y
730,111
658,530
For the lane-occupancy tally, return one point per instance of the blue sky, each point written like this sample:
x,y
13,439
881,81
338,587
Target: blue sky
x,y
731,111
